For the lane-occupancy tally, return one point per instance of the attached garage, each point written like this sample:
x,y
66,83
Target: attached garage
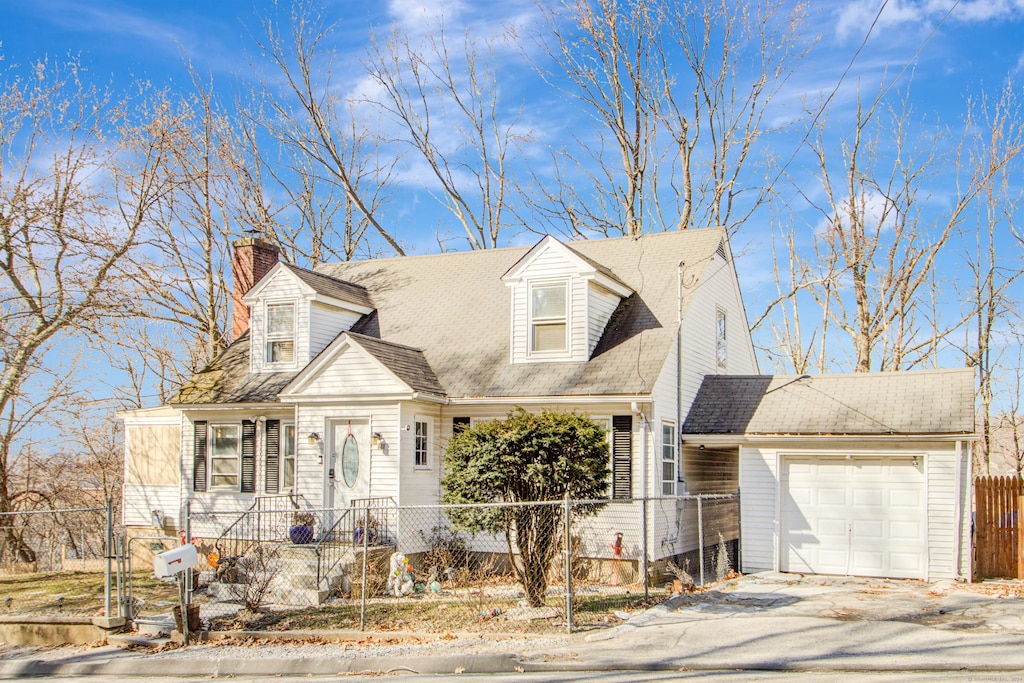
x,y
860,475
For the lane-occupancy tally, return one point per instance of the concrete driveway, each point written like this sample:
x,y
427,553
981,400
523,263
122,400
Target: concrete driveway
x,y
792,622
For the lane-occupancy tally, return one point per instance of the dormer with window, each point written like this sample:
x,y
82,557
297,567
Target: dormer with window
x,y
561,302
295,313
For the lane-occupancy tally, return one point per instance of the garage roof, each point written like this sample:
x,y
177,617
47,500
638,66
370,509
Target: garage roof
x,y
927,402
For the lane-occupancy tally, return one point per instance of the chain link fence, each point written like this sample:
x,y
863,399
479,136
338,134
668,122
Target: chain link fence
x,y
552,565
55,563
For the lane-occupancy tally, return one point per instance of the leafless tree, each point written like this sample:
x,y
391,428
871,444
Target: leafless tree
x,y
878,237
79,179
316,126
679,91
993,268
445,102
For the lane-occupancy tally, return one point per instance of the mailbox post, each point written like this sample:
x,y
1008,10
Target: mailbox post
x,y
174,563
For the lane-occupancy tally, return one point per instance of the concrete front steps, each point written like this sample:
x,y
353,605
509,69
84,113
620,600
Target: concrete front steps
x,y
294,567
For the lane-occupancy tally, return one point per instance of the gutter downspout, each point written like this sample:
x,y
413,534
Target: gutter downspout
x,y
679,376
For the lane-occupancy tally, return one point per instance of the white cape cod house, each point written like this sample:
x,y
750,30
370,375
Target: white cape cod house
x,y
346,382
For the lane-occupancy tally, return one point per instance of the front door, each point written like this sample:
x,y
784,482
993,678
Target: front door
x,y
347,467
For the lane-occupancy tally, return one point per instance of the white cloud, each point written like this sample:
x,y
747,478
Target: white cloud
x,y
854,19
415,16
1019,67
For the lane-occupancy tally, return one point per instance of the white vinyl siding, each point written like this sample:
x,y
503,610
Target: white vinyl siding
x,y
326,323
352,372
762,507
139,501
419,485
719,290
601,305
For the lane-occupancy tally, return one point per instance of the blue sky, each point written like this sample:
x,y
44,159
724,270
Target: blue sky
x,y
941,52
944,56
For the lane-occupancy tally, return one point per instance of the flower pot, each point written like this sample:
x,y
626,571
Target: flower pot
x,y
301,533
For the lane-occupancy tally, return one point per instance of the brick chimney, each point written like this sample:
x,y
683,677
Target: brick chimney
x,y
254,257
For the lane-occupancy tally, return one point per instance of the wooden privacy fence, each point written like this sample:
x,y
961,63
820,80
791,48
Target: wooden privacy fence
x,y
998,551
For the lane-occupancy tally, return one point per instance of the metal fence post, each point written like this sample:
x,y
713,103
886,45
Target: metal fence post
x,y
188,539
700,537
110,553
366,535
568,564
643,564
739,526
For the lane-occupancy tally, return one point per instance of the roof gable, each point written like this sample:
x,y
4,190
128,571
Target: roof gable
x,y
356,365
316,286
579,264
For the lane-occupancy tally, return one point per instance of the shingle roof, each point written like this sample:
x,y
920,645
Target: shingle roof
x,y
407,363
450,314
332,287
227,380
456,309
927,402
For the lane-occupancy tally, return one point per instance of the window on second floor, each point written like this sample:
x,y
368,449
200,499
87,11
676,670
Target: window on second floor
x,y
549,317
281,332
720,346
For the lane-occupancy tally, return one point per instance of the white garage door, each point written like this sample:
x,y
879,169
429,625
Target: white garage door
x,y
861,516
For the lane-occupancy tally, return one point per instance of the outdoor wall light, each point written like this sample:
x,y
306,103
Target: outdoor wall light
x,y
314,438
377,439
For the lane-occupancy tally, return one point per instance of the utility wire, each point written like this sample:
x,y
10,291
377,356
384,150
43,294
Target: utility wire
x,y
839,83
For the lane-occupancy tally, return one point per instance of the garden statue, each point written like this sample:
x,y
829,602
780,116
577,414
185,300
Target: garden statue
x,y
400,576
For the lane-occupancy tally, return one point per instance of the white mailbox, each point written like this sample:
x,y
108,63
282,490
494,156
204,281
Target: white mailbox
x,y
175,561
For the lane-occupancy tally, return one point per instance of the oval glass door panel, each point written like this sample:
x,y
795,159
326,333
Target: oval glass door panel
x,y
350,461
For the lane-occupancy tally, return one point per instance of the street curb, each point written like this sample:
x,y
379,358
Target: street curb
x,y
453,664
139,666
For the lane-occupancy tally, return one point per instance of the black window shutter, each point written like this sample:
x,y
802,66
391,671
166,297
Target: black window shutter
x,y
272,471
459,425
622,456
248,456
199,456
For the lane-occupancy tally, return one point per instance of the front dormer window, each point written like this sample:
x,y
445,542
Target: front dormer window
x,y
549,317
281,333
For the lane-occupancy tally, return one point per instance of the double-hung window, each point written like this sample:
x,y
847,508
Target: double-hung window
x,y
549,309
668,459
720,346
288,457
421,447
281,332
225,449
